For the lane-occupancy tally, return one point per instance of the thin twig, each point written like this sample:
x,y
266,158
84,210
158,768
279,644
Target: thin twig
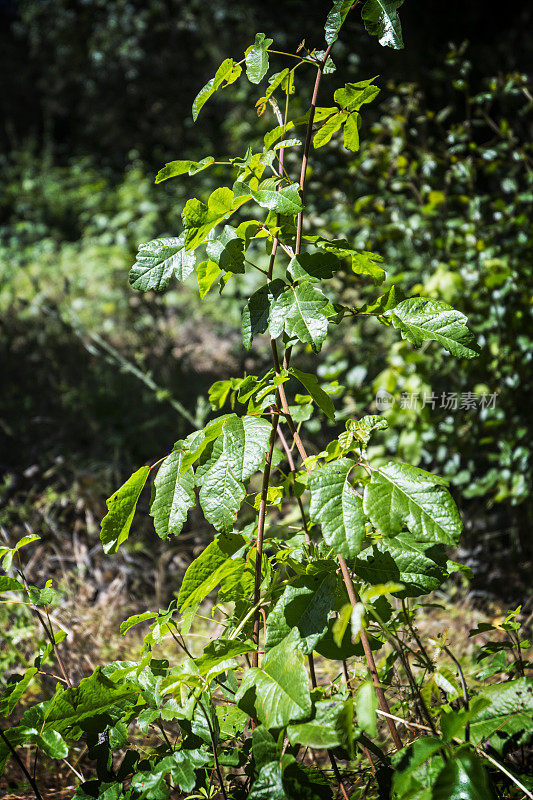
x,y
21,764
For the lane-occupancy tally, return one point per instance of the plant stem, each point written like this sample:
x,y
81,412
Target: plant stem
x,y
370,658
260,535
19,761
305,157
215,754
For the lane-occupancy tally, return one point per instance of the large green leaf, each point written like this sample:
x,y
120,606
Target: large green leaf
x,y
94,704
510,713
399,494
175,168
338,509
278,690
416,768
227,250
158,261
284,201
199,219
354,95
331,726
172,494
463,777
239,452
420,319
335,19
116,524
330,127
257,58
314,266
400,559
320,397
381,19
256,312
302,312
227,73
208,570
305,605
366,705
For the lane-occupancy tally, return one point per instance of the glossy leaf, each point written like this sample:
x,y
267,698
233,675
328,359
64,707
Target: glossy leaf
x,y
304,605
324,134
301,312
335,19
158,261
173,169
463,777
227,250
419,568
351,132
208,570
363,262
256,312
331,726
366,705
399,494
278,690
257,58
284,201
510,713
207,273
338,509
420,319
314,266
121,510
172,495
227,73
381,19
354,95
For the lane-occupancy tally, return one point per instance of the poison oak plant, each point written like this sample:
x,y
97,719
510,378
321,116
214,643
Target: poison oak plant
x,y
338,549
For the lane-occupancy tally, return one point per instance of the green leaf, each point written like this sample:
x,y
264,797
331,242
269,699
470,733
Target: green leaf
x,y
227,73
420,319
256,312
158,261
92,705
324,134
227,250
240,452
199,219
416,768
336,506
510,713
8,584
172,494
351,132
400,494
278,690
285,201
421,569
136,619
463,777
335,19
362,429
320,397
381,19
354,95
366,705
52,743
314,266
116,524
363,262
220,650
331,726
208,570
304,605
257,58
268,784
207,273
300,311
384,303
173,169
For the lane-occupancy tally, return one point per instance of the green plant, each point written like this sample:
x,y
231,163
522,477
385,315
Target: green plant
x,y
323,558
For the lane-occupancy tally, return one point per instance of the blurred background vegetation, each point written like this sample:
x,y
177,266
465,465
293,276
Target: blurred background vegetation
x,y
97,379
